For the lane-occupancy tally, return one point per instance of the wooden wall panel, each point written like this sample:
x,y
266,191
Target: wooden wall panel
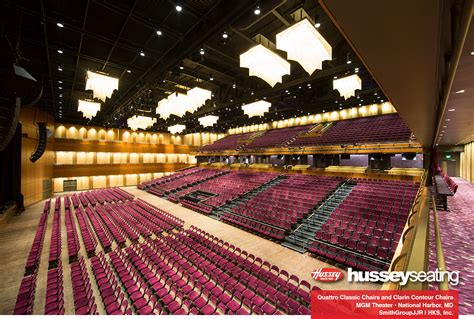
x,y
115,169
74,145
33,174
467,162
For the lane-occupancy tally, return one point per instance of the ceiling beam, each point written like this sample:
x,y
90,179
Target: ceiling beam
x,y
168,59
48,59
119,35
78,53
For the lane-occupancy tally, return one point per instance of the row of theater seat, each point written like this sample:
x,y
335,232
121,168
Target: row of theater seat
x,y
358,228
372,129
55,247
160,189
184,272
169,178
284,204
54,304
226,188
26,294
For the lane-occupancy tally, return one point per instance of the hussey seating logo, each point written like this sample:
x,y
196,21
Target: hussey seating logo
x,y
327,274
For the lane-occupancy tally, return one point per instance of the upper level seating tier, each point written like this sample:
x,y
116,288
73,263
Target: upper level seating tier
x,y
371,129
275,138
230,142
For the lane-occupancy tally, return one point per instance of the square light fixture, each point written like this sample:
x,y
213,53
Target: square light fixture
x,y
89,109
140,122
347,85
102,85
305,45
178,128
265,64
256,108
208,120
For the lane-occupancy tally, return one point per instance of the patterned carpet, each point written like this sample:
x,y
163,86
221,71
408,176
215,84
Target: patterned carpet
x,y
457,236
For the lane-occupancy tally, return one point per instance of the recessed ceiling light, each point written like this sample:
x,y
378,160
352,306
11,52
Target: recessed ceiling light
x,y
128,71
158,32
317,25
460,91
335,77
179,8
225,35
257,10
444,126
60,87
142,53
60,102
60,81
451,110
181,67
472,52
211,78
60,68
59,24
447,120
201,52
60,51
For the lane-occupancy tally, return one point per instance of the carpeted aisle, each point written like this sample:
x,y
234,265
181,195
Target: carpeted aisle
x,y
457,236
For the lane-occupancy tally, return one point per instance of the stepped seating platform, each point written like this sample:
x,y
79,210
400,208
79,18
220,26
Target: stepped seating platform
x,y
303,236
173,185
388,128
225,188
172,177
277,137
229,142
372,129
367,225
274,211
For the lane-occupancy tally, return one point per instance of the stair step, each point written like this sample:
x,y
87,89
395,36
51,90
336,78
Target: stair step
x,y
294,247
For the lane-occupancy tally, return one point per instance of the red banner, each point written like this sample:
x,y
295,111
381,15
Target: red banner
x,y
378,304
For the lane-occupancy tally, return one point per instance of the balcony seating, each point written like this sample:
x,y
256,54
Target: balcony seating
x,y
275,210
372,129
229,142
277,137
364,230
84,301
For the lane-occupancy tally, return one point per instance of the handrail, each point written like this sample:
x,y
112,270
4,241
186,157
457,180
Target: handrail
x,y
413,250
441,265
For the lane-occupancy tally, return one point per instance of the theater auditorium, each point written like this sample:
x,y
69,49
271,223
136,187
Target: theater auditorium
x,y
211,157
